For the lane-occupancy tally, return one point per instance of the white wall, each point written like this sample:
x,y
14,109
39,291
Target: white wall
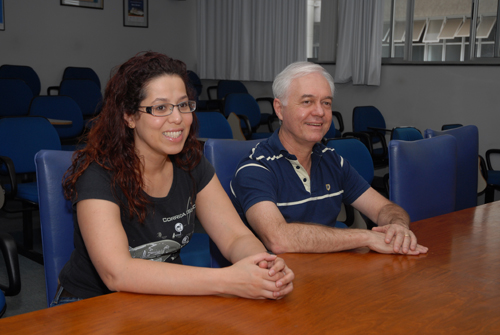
x,y
49,37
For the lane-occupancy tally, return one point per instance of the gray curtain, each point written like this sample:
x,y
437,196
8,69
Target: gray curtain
x,y
359,42
249,39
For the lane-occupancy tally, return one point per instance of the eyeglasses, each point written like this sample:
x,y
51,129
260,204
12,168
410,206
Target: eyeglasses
x,y
166,109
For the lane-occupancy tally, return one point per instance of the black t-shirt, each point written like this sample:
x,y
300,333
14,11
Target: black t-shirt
x,y
168,227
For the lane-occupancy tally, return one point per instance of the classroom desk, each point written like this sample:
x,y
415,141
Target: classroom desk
x,y
454,289
57,122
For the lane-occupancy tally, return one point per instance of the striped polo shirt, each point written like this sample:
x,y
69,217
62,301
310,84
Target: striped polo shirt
x,y
270,173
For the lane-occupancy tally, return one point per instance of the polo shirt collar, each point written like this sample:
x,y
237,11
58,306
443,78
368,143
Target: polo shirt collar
x,y
277,146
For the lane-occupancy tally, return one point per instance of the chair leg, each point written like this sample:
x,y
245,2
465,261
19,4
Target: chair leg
x,y
26,249
489,194
9,251
27,227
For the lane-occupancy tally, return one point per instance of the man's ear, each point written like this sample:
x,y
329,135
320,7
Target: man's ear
x,y
278,108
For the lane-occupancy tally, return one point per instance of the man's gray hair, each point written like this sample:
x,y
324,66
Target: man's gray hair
x,y
295,70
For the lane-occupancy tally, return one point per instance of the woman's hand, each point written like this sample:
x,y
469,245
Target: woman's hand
x,y
260,276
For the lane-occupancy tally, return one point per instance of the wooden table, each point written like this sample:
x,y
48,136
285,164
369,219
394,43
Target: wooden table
x,y
454,289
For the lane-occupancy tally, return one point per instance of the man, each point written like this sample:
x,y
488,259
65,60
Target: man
x,y
290,188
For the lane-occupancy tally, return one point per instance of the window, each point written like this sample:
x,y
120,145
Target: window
x,y
441,29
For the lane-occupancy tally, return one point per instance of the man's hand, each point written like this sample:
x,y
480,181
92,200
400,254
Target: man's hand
x,y
395,239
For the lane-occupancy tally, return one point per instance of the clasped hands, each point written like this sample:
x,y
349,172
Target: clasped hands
x,y
266,276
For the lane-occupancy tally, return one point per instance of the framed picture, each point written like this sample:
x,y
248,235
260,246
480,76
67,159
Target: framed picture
x,y
135,13
2,16
98,4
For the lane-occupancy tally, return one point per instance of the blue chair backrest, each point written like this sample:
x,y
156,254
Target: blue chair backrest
x,y
22,137
225,87
56,215
3,305
356,153
85,93
62,108
333,132
73,72
422,176
366,116
451,126
225,155
245,104
213,125
25,73
15,97
468,150
406,134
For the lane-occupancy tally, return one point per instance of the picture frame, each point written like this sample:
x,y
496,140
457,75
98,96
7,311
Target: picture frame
x,y
96,4
136,13
2,16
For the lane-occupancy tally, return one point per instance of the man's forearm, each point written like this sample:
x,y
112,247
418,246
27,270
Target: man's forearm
x,y
314,238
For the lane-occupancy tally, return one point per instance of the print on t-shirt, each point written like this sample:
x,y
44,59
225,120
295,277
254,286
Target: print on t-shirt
x,y
173,228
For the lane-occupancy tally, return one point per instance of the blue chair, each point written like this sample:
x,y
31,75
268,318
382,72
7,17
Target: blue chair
x,y
56,215
492,175
225,155
467,159
15,97
24,73
63,108
197,85
369,120
86,94
451,126
213,125
356,153
20,139
3,305
423,176
75,72
406,134
225,87
246,108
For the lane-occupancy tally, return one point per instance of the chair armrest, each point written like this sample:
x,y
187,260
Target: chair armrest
x,y
248,131
53,88
273,116
12,176
482,167
488,157
211,89
10,255
365,138
381,129
340,119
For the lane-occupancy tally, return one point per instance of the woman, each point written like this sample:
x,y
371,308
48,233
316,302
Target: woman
x,y
136,186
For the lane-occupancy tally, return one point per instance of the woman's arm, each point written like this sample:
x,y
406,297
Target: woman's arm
x,y
223,224
107,244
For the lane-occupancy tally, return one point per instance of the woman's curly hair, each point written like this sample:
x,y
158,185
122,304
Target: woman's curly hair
x,y
110,142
